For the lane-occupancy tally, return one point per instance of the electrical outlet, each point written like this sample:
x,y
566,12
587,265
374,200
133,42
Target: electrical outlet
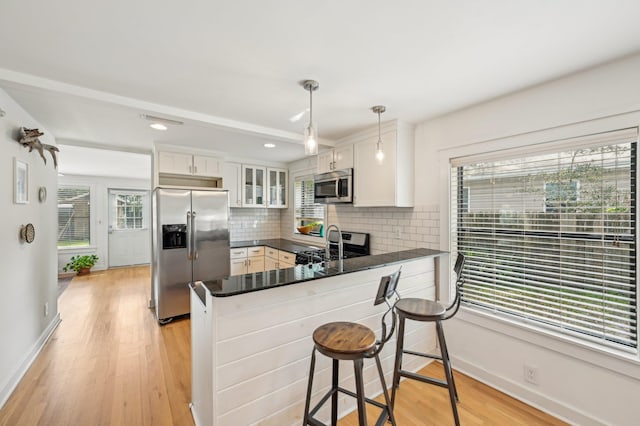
x,y
46,309
530,374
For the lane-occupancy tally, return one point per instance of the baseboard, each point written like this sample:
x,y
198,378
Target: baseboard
x,y
530,397
12,383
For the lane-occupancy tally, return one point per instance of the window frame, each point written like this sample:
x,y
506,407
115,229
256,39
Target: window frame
x,y
527,287
621,362
92,215
312,239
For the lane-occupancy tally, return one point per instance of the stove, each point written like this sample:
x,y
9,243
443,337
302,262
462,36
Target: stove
x,y
355,244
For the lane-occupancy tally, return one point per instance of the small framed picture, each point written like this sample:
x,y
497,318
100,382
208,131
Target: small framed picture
x,y
21,182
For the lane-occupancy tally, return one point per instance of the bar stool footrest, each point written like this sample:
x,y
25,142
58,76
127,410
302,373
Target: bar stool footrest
x,y
384,415
432,356
424,379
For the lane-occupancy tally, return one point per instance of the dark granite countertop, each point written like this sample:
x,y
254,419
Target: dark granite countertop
x,y
276,243
239,284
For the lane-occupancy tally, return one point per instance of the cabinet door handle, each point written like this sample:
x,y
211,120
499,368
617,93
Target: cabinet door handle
x,y
195,169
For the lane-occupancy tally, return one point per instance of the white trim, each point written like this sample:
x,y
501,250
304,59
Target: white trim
x,y
529,396
29,358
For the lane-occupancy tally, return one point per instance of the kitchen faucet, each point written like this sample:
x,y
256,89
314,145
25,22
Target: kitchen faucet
x,y
328,246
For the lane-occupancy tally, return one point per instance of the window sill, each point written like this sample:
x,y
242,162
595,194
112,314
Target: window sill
x,y
618,361
77,249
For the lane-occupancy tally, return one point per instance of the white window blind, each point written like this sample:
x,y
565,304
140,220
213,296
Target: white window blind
x,y
306,210
74,204
550,238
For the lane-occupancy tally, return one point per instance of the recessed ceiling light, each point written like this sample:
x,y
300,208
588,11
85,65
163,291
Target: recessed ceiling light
x,y
158,126
269,145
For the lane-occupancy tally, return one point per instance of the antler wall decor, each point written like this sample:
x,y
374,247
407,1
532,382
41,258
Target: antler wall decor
x,y
29,137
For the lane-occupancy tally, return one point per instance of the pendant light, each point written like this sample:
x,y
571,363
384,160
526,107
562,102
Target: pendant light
x,y
379,109
311,131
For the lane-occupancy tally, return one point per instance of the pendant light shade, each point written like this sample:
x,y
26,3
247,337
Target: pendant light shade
x,y
379,109
311,131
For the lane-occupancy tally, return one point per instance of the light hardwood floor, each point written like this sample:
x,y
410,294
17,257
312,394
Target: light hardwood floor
x,y
109,363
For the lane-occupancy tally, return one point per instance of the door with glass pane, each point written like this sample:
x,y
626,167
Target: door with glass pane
x,y
129,237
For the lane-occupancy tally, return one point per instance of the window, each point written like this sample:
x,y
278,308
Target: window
x,y
74,216
307,212
550,237
129,211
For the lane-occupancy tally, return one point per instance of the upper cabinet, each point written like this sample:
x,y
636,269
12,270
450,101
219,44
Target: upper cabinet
x,y
277,184
190,165
207,166
338,158
232,181
175,163
253,186
388,182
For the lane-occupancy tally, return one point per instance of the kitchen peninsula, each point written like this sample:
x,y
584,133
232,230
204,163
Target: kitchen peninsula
x,y
251,334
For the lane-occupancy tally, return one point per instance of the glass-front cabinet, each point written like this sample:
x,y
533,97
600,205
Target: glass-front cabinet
x,y
277,184
253,186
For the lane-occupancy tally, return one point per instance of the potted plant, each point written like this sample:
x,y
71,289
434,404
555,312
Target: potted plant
x,y
81,264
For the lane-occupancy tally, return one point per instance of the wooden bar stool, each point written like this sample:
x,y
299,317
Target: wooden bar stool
x,y
428,310
353,342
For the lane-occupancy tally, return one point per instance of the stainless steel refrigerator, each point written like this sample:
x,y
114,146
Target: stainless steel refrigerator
x,y
190,243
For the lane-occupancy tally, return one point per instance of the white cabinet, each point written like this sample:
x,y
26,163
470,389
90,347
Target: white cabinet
x,y
390,182
253,186
232,181
336,159
207,166
277,184
246,260
177,163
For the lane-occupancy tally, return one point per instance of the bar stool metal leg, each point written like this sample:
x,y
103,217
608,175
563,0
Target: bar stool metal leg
x,y
444,350
398,361
309,386
362,411
447,371
392,418
334,397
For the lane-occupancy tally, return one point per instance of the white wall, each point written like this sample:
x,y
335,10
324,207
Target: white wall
x,y
578,383
28,277
99,214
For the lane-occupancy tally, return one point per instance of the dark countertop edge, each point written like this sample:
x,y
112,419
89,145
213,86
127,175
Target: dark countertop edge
x,y
426,253
276,243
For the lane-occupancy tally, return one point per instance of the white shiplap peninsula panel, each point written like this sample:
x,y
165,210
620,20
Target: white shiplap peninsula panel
x,y
261,343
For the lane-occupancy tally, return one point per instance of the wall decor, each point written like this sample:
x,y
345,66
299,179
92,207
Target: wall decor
x,y
20,182
29,137
42,194
28,233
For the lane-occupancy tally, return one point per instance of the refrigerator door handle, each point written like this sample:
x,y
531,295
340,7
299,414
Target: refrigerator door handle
x,y
194,252
189,237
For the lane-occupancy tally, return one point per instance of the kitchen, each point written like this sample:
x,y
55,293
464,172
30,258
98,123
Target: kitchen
x,y
594,94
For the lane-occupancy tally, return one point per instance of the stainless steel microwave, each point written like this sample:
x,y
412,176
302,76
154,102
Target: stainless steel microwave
x,y
334,187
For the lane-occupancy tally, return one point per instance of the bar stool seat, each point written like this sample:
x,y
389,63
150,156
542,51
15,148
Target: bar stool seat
x,y
344,340
350,341
424,310
421,309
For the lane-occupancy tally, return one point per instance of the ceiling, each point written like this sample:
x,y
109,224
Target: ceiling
x,y
231,70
